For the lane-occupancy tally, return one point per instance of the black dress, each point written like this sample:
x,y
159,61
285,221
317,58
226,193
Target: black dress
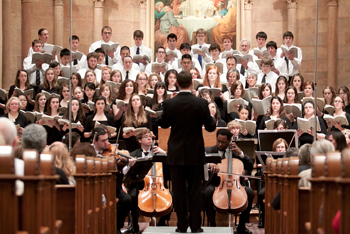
x,y
62,133
307,138
155,120
218,101
53,90
347,116
130,143
90,123
262,124
12,89
21,120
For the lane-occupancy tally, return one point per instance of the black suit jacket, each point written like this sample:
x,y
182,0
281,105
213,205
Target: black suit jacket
x,y
186,114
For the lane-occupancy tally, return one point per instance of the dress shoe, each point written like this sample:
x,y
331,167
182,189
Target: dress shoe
x,y
243,231
212,224
178,230
199,230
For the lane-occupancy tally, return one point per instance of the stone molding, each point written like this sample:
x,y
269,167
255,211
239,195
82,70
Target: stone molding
x,y
58,3
292,3
248,4
98,3
332,3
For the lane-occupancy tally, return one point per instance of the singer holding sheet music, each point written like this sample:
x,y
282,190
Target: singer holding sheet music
x,y
307,137
339,107
186,114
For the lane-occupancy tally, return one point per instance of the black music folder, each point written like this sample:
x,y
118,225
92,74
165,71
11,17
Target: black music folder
x,y
267,137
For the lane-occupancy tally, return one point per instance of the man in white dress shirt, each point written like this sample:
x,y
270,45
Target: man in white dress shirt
x,y
261,41
252,67
128,72
172,40
43,37
280,65
112,56
82,63
124,51
201,35
92,65
227,43
140,49
37,70
293,64
231,63
267,75
185,48
160,56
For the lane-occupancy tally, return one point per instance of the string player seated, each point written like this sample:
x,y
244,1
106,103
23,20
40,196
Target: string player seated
x,y
224,147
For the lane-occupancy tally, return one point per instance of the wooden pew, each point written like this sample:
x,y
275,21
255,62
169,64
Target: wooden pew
x,y
111,196
344,190
269,174
284,199
32,199
48,173
8,198
330,197
317,166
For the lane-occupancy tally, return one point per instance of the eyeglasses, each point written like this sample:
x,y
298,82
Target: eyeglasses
x,y
161,52
146,136
338,101
107,33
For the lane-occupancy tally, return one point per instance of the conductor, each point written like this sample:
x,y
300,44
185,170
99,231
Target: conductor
x,y
186,114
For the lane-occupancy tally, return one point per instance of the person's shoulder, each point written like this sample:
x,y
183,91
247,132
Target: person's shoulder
x,y
136,152
211,149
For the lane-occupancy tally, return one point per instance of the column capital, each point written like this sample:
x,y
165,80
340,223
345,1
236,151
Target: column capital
x,y
27,1
292,3
143,4
55,2
332,3
248,4
98,3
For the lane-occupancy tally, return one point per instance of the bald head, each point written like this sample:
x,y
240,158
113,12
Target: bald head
x,y
8,130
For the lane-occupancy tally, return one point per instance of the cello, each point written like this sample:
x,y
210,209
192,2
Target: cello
x,y
154,199
230,196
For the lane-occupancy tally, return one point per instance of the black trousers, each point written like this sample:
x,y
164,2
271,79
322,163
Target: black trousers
x,y
123,207
187,183
210,210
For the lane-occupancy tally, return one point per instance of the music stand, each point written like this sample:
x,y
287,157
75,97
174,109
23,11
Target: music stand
x,y
267,137
247,146
262,155
139,170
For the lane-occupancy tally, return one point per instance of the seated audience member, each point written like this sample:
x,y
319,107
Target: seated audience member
x,y
266,75
280,145
34,137
224,147
338,140
319,147
75,139
305,157
8,136
346,133
63,161
82,148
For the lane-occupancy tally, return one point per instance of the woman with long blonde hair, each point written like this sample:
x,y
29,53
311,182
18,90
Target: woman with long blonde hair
x,y
63,161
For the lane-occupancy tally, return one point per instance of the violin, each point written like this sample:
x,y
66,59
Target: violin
x,y
230,196
154,199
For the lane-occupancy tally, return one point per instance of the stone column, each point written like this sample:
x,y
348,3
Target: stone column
x,y
98,19
292,6
26,27
332,42
6,42
58,22
248,19
144,21
1,43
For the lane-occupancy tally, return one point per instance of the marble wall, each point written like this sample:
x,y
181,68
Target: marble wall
x,y
124,17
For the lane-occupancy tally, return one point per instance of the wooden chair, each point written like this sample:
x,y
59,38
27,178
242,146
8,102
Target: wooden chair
x,y
344,190
318,162
9,200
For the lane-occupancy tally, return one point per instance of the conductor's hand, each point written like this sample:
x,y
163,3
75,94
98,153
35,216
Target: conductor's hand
x,y
214,168
234,148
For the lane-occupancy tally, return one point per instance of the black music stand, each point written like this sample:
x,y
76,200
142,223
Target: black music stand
x,y
267,137
139,170
262,156
247,146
